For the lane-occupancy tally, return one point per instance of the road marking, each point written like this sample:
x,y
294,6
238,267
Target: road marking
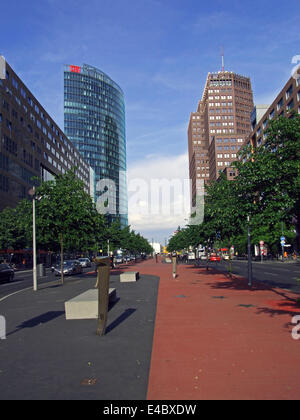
x,y
11,283
271,274
19,291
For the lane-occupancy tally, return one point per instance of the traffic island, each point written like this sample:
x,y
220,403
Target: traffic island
x,y
85,305
129,276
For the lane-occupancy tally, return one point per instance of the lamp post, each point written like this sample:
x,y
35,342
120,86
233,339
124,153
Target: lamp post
x,y
249,254
32,193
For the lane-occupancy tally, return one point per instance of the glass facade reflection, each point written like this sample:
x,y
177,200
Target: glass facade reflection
x,y
94,120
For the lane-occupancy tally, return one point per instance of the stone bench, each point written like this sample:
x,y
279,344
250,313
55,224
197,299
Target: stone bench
x,y
85,306
129,276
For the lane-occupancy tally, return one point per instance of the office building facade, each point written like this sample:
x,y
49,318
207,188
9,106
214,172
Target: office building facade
x,y
32,144
219,127
94,120
286,103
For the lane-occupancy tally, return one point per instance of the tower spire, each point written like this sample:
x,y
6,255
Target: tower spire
x,y
222,59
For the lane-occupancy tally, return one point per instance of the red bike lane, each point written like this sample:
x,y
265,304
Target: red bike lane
x,y
215,338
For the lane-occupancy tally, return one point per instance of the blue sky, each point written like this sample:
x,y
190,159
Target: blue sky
x,y
159,52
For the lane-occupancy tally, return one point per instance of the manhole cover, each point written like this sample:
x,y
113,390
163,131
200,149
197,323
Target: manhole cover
x,y
247,306
180,296
88,381
218,297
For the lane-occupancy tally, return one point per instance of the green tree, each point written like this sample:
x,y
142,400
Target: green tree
x,y
268,184
16,226
66,217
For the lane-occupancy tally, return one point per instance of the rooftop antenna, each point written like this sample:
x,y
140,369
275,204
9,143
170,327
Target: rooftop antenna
x,y
222,60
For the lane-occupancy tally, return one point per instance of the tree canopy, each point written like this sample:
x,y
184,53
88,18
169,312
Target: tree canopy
x,y
66,220
267,189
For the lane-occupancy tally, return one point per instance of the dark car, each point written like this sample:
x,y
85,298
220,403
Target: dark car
x,y
70,267
6,272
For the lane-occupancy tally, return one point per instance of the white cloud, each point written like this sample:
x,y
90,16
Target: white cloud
x,y
159,193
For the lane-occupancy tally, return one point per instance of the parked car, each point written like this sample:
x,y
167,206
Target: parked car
x,y
191,256
6,272
85,262
214,257
70,267
118,259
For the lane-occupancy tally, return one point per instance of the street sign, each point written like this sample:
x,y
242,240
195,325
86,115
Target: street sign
x,y
282,238
261,242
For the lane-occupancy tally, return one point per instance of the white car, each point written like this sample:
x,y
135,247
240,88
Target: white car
x,y
118,259
84,262
191,256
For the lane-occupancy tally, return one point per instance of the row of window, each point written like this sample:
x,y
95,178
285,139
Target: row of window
x,y
226,155
217,104
279,106
220,83
213,98
232,140
223,90
39,124
222,110
222,148
221,124
223,163
221,117
230,130
3,183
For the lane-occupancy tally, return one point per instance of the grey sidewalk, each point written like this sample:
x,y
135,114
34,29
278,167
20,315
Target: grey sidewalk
x,y
46,357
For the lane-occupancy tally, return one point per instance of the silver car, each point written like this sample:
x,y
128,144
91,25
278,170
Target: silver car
x,y
85,262
69,267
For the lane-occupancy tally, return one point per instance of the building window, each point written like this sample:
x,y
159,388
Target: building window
x,y
289,92
290,105
279,104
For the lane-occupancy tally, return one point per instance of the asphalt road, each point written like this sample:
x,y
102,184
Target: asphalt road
x,y
284,275
46,356
24,279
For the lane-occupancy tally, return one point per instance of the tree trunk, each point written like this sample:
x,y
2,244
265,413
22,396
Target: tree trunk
x,y
62,259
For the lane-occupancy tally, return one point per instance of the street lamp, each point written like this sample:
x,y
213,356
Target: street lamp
x,y
32,193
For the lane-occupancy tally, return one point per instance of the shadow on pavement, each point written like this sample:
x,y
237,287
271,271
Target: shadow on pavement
x,y
41,319
120,319
287,305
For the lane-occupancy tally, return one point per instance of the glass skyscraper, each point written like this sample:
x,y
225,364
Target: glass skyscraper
x,y
94,120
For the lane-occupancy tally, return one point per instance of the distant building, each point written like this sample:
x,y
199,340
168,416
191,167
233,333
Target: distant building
x,y
94,120
257,114
32,144
230,172
157,247
218,128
